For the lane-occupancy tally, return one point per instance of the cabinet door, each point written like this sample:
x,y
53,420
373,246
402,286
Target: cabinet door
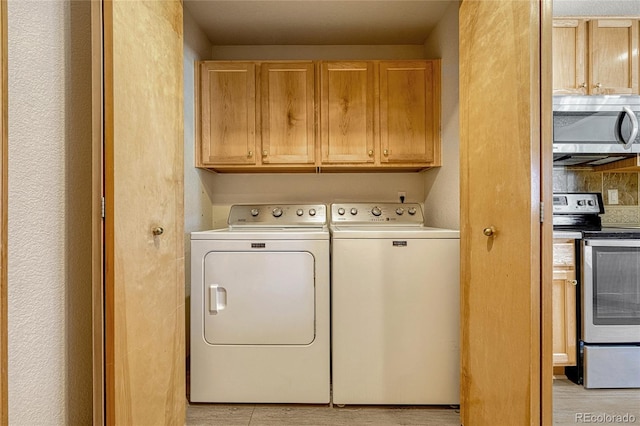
x,y
346,112
564,317
227,114
613,54
288,99
569,56
564,303
410,111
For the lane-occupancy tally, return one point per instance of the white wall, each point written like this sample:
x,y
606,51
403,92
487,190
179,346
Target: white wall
x,y
49,264
442,186
596,8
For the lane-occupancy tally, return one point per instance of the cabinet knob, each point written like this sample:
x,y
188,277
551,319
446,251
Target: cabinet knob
x,y
250,154
385,152
583,86
158,230
489,232
264,153
370,153
598,85
573,282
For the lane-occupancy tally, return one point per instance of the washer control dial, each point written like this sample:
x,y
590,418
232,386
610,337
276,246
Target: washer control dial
x,y
412,211
299,212
312,212
341,211
399,211
376,211
255,212
354,211
277,212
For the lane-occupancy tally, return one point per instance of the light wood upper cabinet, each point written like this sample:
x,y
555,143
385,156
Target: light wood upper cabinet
x,y
613,55
564,303
569,56
595,57
373,115
347,112
288,116
410,111
383,115
227,99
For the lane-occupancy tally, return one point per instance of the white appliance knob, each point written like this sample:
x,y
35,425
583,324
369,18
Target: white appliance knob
x,y
354,211
376,211
312,212
399,211
340,211
299,212
277,212
255,212
412,211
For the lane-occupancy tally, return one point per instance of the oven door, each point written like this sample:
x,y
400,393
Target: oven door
x,y
611,291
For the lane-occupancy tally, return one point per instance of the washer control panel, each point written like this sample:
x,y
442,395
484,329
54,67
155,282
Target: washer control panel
x,y
377,214
278,215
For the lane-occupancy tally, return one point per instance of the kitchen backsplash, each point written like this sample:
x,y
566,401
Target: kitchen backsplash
x,y
625,212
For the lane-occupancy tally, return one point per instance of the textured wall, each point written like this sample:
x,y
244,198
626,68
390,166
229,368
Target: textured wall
x,y
442,205
49,288
596,8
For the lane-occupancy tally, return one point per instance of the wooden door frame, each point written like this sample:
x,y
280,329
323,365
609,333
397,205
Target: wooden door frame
x,y
4,90
97,227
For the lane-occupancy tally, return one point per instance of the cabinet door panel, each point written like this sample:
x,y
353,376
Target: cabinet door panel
x,y
564,317
346,114
409,118
228,113
613,49
288,101
569,56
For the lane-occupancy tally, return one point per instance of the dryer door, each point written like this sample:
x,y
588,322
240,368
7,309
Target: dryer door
x,y
259,298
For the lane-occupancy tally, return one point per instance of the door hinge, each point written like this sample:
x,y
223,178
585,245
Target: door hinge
x,y
542,212
102,208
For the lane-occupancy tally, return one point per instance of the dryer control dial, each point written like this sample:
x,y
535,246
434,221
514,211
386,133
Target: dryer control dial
x,y
277,212
255,212
299,212
312,212
340,211
354,211
412,211
376,211
399,211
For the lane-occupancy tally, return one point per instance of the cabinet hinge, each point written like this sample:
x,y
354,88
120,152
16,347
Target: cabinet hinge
x,y
102,208
541,212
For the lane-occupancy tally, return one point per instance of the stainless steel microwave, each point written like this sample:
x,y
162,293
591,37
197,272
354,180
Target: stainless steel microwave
x,y
598,128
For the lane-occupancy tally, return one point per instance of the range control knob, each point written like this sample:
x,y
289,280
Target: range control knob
x,y
591,203
299,212
399,211
412,211
354,211
340,211
277,212
581,202
255,212
312,212
376,211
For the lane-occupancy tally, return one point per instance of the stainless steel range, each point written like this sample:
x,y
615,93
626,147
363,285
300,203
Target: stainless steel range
x,y
609,292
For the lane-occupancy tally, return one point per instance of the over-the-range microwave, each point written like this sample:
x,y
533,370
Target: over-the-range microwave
x,y
592,130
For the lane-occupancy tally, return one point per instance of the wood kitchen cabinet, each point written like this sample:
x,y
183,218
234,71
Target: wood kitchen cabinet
x,y
227,114
595,57
380,114
564,303
359,115
256,115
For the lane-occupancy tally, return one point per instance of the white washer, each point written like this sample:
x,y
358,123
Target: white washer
x,y
395,307
260,307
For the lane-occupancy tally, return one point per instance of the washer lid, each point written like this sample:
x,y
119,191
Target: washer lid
x,y
391,232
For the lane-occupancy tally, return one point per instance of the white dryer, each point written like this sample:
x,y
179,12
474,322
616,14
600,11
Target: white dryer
x,y
395,307
260,307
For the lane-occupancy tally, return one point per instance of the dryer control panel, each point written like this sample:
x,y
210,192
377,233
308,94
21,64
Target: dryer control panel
x,y
278,215
377,214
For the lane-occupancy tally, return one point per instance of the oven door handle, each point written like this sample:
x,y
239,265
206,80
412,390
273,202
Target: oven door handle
x,y
611,242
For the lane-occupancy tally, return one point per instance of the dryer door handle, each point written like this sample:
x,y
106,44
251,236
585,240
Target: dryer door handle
x,y
217,298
